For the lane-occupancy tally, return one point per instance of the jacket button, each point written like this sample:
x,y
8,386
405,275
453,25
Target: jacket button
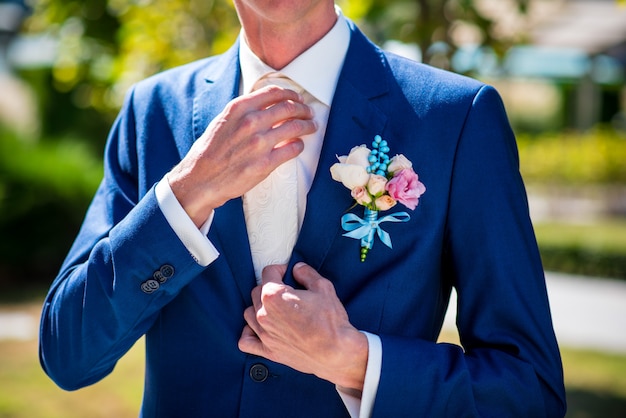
x,y
259,373
149,286
167,271
159,277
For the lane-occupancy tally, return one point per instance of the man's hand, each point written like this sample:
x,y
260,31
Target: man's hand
x,y
307,330
252,136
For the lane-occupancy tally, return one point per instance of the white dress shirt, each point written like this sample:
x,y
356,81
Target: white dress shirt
x,y
317,71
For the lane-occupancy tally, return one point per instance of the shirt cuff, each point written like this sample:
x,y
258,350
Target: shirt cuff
x,y
362,408
194,239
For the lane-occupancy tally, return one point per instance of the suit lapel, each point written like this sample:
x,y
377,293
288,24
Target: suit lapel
x,y
229,228
354,120
221,85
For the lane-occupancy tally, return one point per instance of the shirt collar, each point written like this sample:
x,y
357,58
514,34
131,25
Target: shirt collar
x,y
316,69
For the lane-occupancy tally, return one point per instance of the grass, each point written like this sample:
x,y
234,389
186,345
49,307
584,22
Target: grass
x,y
25,390
595,382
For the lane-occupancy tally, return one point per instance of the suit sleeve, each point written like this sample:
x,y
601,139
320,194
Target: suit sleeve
x,y
509,364
124,266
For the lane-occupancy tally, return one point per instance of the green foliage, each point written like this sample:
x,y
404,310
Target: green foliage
x,y
596,249
435,25
571,158
585,261
44,191
106,45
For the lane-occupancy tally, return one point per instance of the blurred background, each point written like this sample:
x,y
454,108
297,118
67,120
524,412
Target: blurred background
x,y
560,66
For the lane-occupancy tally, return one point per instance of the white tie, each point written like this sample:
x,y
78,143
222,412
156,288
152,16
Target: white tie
x,y
271,207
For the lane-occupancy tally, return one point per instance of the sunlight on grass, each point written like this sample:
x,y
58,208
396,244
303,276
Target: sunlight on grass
x,y
595,371
25,390
595,384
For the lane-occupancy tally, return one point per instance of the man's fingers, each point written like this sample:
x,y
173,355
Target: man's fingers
x,y
289,109
273,273
272,124
282,128
285,152
249,342
256,298
270,95
250,316
305,275
310,279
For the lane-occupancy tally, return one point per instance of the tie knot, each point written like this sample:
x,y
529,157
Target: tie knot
x,y
277,79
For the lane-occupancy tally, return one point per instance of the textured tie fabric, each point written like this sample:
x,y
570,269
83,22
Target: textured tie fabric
x,y
271,207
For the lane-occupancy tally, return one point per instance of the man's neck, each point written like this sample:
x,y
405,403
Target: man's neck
x,y
278,42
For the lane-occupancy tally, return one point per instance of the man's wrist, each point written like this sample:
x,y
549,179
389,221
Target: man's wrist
x,y
186,198
350,376
361,403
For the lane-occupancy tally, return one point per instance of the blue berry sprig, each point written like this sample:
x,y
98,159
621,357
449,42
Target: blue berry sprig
x,y
378,159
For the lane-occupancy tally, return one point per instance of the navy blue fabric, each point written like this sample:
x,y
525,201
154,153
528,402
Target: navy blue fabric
x,y
470,231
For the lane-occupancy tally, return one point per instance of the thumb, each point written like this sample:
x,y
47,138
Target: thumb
x,y
273,273
306,275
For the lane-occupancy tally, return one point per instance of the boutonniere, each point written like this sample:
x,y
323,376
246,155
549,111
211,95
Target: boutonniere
x,y
377,183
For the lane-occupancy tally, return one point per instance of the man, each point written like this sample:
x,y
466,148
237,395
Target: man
x,y
323,334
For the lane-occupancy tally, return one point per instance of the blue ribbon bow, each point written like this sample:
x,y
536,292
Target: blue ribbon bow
x,y
364,229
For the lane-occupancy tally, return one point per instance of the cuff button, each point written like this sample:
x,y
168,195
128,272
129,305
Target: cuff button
x,y
149,286
167,271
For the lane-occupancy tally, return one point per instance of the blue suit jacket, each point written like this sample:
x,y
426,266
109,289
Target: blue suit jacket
x,y
471,230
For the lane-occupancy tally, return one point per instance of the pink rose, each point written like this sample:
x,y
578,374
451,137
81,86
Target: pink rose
x,y
385,202
361,195
406,188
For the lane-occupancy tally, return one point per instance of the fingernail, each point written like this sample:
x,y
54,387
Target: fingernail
x,y
298,265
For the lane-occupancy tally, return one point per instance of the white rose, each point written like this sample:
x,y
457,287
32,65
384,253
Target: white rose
x,y
376,184
350,175
359,156
399,162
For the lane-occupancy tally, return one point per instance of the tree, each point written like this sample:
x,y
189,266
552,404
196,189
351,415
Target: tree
x,y
438,27
106,45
